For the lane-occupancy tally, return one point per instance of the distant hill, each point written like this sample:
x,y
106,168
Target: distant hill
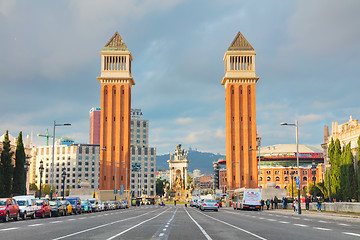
x,y
198,160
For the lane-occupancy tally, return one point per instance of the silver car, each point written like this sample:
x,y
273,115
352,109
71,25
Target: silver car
x,y
209,204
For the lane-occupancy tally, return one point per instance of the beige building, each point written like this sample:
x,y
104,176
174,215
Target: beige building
x,y
347,133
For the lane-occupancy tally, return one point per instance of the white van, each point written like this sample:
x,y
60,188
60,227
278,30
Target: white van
x,y
247,199
193,201
27,206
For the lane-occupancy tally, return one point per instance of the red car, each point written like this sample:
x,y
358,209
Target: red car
x,y
43,208
9,209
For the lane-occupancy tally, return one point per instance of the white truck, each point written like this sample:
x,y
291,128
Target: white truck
x,y
27,206
247,199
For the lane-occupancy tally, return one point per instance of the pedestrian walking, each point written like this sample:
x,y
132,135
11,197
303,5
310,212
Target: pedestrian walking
x,y
283,202
272,204
262,204
294,205
276,202
307,203
318,204
267,204
185,203
175,203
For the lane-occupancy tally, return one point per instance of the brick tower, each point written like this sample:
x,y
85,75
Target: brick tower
x,y
240,111
116,82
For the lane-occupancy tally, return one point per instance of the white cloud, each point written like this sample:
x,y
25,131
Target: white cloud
x,y
7,7
184,121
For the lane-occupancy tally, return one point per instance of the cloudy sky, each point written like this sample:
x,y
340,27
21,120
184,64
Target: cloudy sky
x,y
308,57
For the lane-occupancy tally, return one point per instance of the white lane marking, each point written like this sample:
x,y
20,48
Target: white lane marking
x,y
107,224
285,216
161,234
300,225
121,233
92,216
241,229
343,224
34,225
56,222
166,225
323,221
352,234
261,218
271,220
295,218
8,229
71,219
324,229
306,219
283,222
201,229
81,218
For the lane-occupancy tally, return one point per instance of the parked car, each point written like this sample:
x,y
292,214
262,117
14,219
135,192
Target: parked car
x,y
209,204
194,201
101,206
94,204
9,209
86,206
57,209
43,208
76,204
68,206
27,206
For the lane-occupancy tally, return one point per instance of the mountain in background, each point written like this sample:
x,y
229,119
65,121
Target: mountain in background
x,y
198,160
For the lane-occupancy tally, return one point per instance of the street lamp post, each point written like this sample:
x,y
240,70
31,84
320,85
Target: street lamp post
x,y
53,155
292,181
296,125
41,169
313,171
26,168
63,174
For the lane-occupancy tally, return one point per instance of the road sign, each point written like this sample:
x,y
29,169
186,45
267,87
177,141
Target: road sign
x,y
121,189
115,191
297,183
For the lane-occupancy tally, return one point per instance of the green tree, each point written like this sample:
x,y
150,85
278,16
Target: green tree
x,y
291,186
19,172
33,187
335,161
160,186
6,167
347,174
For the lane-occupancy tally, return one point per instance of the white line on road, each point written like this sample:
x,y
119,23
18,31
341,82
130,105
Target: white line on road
x,y
81,218
283,222
343,224
324,229
72,219
300,225
34,225
271,220
107,224
121,233
261,218
253,234
8,229
323,221
352,234
161,234
201,229
56,222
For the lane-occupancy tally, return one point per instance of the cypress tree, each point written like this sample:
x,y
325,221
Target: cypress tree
x,y
328,172
19,172
335,171
347,174
6,167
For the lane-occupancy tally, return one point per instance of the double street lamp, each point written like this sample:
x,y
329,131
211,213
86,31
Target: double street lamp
x,y
41,170
258,144
313,171
53,155
296,125
26,168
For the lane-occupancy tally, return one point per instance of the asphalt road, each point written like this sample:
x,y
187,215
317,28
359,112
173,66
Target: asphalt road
x,y
169,222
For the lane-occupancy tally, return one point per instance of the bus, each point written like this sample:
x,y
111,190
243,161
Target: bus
x,y
143,201
247,199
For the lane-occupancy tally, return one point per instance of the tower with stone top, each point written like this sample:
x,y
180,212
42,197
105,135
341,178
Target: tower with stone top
x,y
116,82
240,112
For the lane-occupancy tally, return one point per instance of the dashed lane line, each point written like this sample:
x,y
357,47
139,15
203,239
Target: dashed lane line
x,y
35,225
300,225
56,222
241,229
8,229
344,224
352,234
284,222
121,233
323,229
104,225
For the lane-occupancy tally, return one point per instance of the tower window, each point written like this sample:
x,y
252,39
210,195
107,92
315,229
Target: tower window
x,y
113,178
105,91
113,148
232,91
242,177
114,91
249,91
122,148
240,91
250,177
114,119
242,147
104,177
250,119
105,119
123,91
233,147
121,178
241,118
233,118
234,178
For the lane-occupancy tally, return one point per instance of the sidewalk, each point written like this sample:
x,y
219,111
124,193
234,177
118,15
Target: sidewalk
x,y
352,217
